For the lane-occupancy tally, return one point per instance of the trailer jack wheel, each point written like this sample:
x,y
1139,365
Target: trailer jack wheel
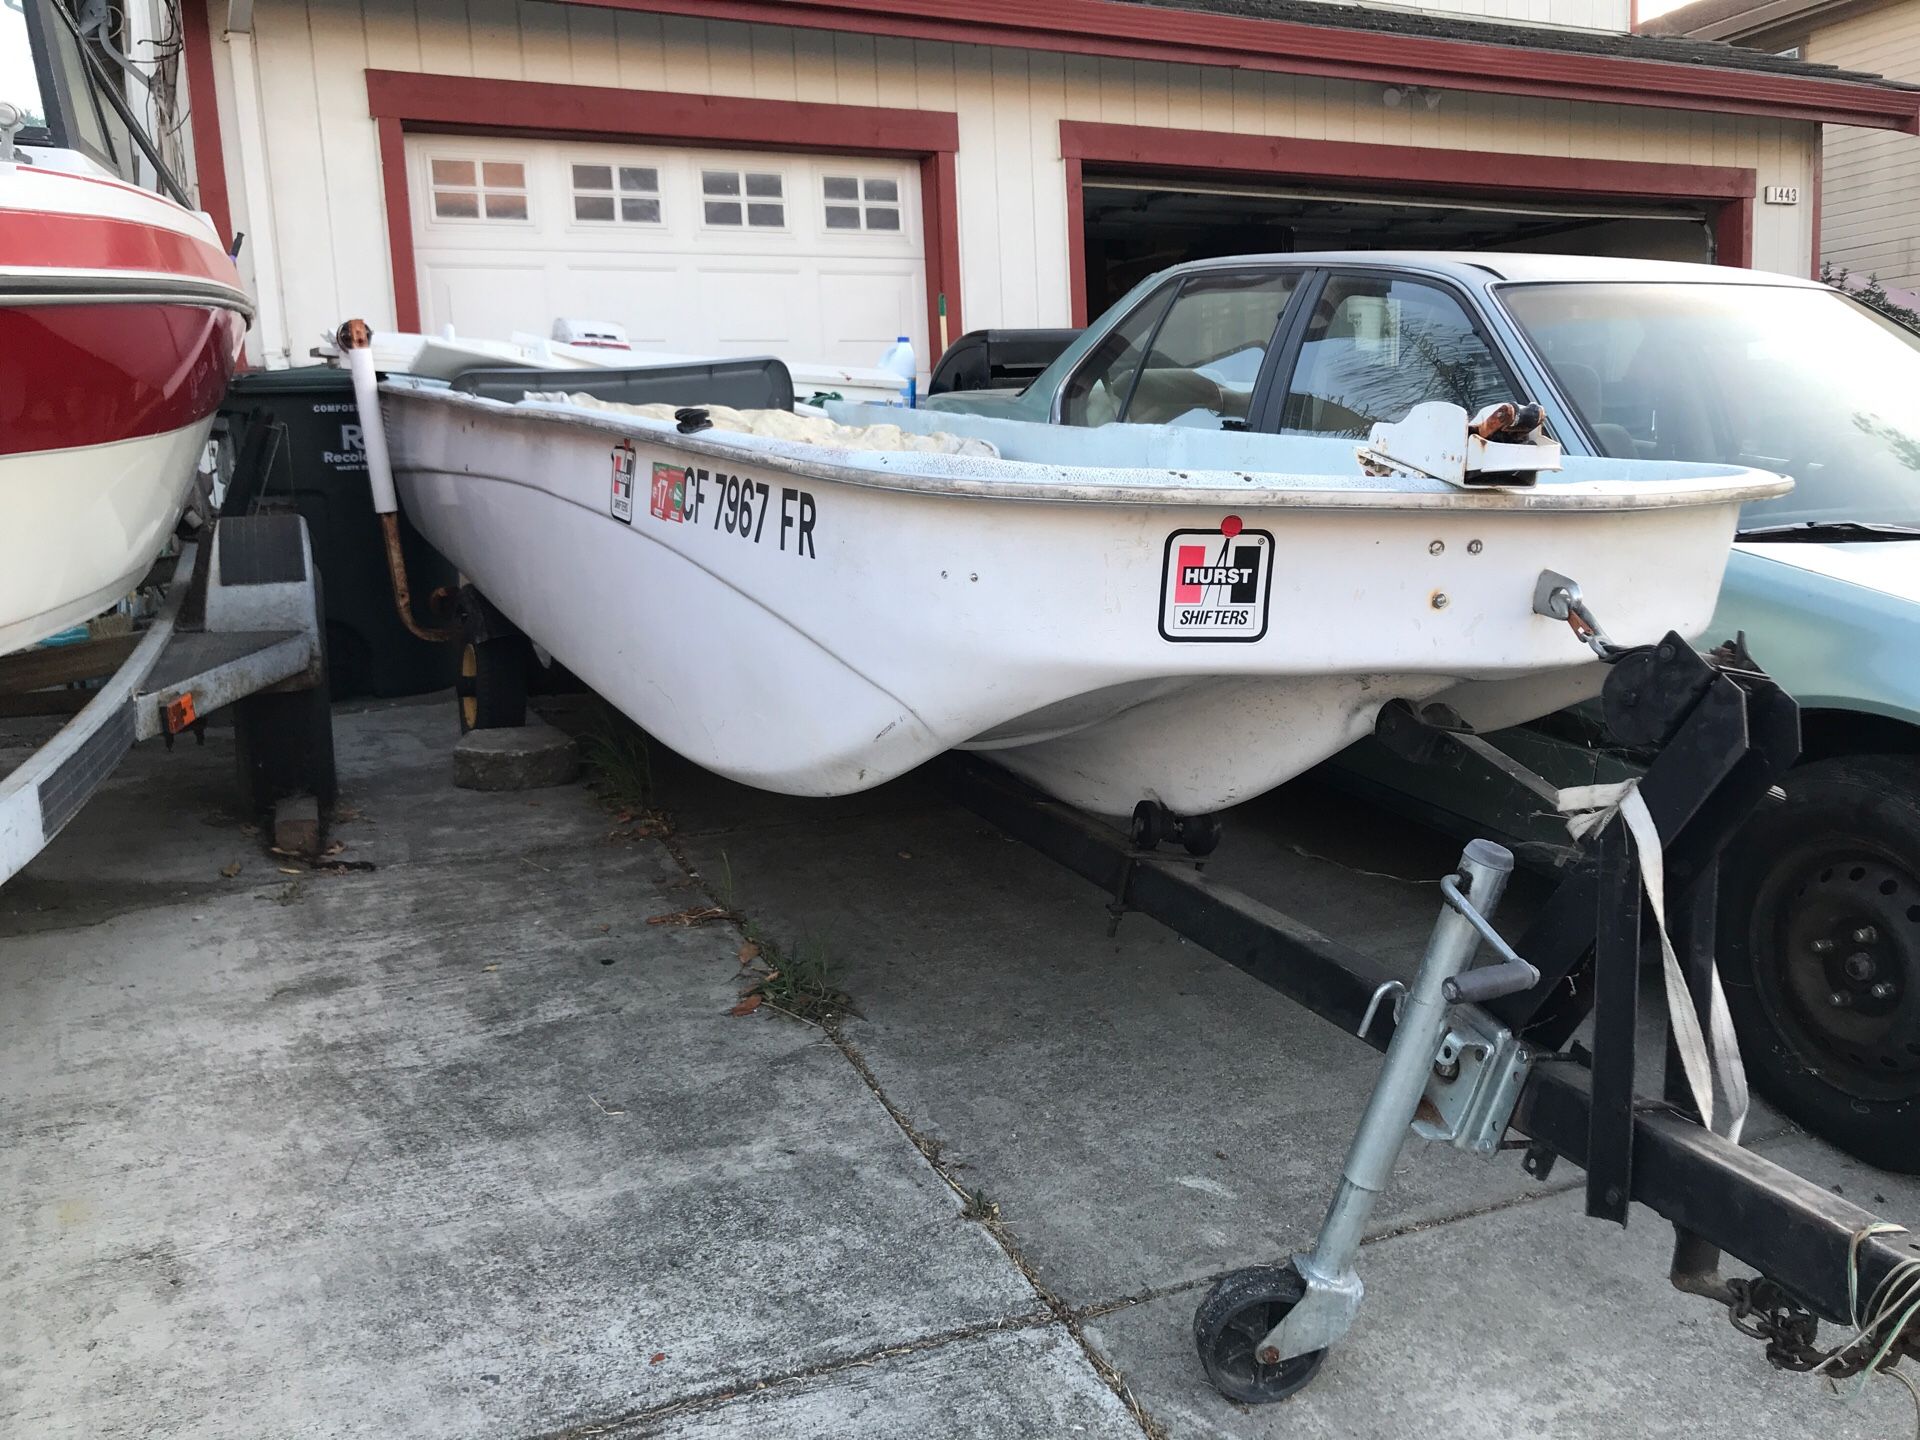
x,y
492,684
1235,1319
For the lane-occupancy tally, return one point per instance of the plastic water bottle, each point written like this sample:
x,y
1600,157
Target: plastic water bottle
x,y
899,360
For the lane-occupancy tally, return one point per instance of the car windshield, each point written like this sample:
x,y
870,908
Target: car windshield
x,y
1804,382
19,84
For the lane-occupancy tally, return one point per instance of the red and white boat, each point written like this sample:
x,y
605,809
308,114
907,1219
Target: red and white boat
x,y
121,320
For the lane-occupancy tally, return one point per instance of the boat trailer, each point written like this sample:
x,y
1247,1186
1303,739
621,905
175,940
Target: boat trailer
x,y
241,625
1486,1057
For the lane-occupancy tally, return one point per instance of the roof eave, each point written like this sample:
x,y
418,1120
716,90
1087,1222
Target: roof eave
x,y
1110,28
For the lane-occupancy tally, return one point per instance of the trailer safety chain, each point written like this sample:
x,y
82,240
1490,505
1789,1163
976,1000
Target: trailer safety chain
x,y
1761,1309
1882,1337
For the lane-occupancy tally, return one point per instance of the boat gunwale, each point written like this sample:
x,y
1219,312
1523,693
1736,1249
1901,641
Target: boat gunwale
x,y
1055,483
20,288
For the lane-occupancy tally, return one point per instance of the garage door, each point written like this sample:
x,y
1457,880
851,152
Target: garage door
x,y
811,257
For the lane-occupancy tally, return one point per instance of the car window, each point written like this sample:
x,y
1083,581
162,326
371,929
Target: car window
x,y
1792,379
1208,351
1098,390
1376,347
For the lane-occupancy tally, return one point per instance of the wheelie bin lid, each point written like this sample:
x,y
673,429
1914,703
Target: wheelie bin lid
x,y
302,379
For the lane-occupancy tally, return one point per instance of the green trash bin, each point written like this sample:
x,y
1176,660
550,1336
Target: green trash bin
x,y
306,456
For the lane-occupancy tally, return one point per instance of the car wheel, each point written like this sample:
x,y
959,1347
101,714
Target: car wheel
x,y
1820,945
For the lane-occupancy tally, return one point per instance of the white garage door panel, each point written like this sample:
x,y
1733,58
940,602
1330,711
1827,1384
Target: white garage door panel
x,y
760,307
813,257
865,310
482,299
652,300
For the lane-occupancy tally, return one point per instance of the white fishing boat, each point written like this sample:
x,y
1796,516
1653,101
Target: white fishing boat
x,y
121,319
1122,614
585,345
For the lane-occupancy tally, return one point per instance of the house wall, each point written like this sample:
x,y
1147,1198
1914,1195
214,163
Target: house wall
x,y
321,168
1870,217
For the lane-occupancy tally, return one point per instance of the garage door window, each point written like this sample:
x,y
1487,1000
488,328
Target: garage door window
x,y
855,202
478,189
753,199
617,194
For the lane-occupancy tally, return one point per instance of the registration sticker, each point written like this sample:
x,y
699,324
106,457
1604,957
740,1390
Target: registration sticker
x,y
669,499
1215,584
620,502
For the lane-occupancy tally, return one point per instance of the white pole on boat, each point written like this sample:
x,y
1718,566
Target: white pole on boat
x,y
356,343
355,339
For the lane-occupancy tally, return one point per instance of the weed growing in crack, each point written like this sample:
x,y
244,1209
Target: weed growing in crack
x,y
798,984
979,1207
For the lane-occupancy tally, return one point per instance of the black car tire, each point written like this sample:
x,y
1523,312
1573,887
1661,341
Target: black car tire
x,y
1820,952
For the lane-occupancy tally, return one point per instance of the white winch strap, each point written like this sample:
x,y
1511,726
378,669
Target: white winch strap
x,y
1704,1064
1586,809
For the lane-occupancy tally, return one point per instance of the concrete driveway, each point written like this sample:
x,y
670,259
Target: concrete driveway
x,y
460,1144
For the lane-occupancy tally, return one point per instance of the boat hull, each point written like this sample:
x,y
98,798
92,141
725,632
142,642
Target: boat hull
x,y
120,324
828,634
79,527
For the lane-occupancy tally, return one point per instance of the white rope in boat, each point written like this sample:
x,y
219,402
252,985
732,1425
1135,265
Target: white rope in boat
x,y
1712,1069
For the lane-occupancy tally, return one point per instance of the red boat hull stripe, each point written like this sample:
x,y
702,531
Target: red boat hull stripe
x,y
73,375
41,239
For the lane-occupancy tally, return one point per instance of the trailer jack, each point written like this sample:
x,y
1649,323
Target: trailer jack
x,y
1467,1048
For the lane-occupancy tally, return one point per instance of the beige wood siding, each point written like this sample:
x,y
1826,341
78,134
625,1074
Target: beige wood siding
x,y
324,171
1870,209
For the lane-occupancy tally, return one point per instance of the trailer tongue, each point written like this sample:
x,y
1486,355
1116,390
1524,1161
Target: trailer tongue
x,y
1485,1057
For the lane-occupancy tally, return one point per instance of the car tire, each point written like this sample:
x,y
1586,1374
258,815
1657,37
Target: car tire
x,y
1820,951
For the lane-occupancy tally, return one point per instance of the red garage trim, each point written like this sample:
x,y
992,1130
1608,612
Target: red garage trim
x,y
209,158
1153,32
393,181
1728,191
1076,240
402,101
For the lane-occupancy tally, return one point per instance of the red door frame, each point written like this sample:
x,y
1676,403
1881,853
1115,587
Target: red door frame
x,y
1728,191
403,101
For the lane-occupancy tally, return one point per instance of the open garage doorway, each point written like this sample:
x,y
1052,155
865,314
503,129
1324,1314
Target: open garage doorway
x,y
1136,225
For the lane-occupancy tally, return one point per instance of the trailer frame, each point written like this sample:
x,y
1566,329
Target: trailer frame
x,y
1724,733
242,624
